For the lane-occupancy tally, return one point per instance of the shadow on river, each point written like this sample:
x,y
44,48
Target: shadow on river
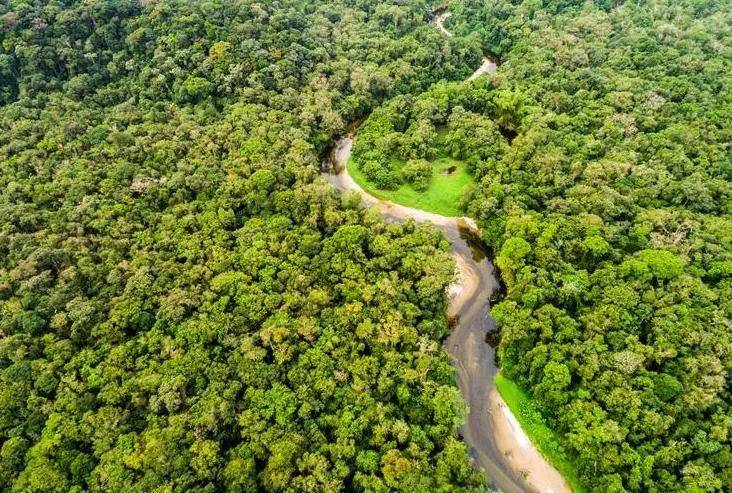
x,y
497,444
471,356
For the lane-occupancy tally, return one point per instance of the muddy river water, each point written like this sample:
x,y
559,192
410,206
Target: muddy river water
x,y
498,446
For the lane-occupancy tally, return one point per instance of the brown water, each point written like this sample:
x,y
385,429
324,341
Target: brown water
x,y
473,359
497,445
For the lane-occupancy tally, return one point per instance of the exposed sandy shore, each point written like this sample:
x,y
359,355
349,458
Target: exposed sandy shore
x,y
488,67
498,445
520,454
464,286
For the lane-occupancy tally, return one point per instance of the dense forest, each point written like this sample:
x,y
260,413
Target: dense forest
x,y
186,306
611,217
601,153
398,138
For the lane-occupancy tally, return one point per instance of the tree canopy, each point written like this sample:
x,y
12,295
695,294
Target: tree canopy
x,y
610,217
184,305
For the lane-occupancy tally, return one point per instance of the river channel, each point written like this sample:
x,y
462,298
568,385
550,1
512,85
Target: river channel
x,y
498,446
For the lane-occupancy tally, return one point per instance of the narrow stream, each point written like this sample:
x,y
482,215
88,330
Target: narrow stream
x,y
472,357
497,444
487,67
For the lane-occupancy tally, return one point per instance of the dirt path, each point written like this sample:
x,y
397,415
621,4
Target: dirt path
x,y
498,445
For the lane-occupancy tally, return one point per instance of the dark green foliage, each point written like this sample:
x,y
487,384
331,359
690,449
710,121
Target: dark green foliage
x,y
610,215
183,305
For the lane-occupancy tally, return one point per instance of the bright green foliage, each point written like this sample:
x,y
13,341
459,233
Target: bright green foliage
x,y
184,305
546,440
450,126
418,173
444,194
610,215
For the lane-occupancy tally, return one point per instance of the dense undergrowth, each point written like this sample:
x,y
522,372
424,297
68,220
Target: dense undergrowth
x,y
184,306
611,215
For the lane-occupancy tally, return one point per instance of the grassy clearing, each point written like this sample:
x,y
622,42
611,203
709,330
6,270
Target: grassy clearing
x,y
543,437
442,196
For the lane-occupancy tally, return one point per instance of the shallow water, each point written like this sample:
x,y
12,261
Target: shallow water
x,y
490,430
473,359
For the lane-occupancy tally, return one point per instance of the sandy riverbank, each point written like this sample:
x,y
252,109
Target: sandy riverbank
x,y
488,67
464,287
519,453
498,445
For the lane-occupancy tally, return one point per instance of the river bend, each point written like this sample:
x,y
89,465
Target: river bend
x,y
498,446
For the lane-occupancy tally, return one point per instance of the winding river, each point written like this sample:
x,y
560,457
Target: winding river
x,y
497,444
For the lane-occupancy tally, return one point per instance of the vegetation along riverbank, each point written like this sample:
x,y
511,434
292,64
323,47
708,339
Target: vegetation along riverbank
x,y
187,305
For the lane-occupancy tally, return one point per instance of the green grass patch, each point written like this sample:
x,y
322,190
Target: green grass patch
x,y
442,196
534,425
